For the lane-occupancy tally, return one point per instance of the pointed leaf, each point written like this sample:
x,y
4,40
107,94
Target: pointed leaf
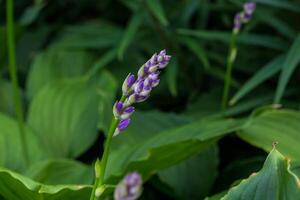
x,y
273,181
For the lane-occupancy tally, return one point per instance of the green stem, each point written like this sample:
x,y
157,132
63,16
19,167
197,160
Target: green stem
x,y
229,66
14,78
99,180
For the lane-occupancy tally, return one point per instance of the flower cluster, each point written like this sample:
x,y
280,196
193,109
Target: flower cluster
x,y
244,17
130,188
138,90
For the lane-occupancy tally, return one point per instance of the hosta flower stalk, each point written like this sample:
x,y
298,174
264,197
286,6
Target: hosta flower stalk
x,y
239,19
134,89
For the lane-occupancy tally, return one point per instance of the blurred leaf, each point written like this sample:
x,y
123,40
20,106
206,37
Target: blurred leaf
x,y
107,95
172,73
291,61
102,62
189,179
198,50
31,13
270,126
64,116
15,187
281,4
156,8
249,39
279,24
60,171
6,96
55,64
11,152
130,33
273,181
168,147
92,36
3,46
28,45
262,75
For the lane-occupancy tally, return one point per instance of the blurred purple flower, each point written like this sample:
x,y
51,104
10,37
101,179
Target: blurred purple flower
x,y
130,188
245,16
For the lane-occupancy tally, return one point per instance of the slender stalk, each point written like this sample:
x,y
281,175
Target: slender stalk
x,y
99,180
229,66
14,78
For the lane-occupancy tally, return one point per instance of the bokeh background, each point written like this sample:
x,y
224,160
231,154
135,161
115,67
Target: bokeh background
x,y
73,55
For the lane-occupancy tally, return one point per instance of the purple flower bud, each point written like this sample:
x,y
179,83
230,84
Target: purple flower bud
x,y
249,8
139,85
127,112
123,124
129,81
130,188
140,98
117,109
237,22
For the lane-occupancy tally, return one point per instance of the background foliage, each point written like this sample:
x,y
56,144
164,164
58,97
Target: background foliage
x,y
72,57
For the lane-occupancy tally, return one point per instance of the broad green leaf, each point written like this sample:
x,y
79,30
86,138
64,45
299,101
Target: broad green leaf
x,y
172,73
156,8
55,64
274,181
270,126
168,147
189,179
249,39
15,187
130,33
11,152
64,116
151,122
291,61
262,75
60,171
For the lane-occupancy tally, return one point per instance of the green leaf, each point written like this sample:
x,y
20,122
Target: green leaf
x,y
11,153
268,126
189,179
281,4
156,8
130,33
168,147
15,187
102,62
172,73
262,75
64,116
152,123
291,62
97,35
55,64
6,96
198,50
60,171
249,39
273,181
